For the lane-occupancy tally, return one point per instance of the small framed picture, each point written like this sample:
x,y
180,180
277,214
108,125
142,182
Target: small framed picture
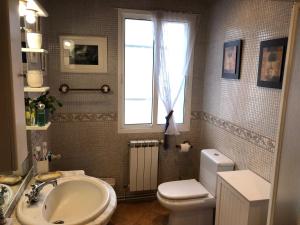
x,y
271,63
232,59
83,54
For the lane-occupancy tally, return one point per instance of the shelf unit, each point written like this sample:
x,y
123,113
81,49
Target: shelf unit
x,y
36,127
42,53
36,90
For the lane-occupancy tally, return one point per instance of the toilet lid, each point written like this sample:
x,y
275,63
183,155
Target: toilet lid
x,y
183,189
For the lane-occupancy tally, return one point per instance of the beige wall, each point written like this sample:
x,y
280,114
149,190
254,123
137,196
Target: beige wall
x,y
241,119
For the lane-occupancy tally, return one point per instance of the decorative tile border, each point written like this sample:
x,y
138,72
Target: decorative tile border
x,y
196,115
248,135
84,117
100,117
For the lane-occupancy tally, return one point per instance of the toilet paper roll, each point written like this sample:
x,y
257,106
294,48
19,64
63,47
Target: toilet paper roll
x,y
185,147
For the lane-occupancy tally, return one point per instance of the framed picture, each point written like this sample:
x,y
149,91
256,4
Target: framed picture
x,y
232,59
271,63
80,54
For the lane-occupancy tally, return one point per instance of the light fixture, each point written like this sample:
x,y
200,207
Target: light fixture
x,y
35,5
30,16
67,44
29,5
22,8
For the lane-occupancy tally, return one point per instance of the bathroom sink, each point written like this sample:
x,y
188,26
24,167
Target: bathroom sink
x,y
77,200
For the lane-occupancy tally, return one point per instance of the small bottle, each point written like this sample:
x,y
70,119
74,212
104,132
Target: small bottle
x,y
38,153
28,115
41,115
44,150
32,117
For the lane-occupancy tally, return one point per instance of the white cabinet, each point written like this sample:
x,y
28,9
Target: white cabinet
x,y
242,198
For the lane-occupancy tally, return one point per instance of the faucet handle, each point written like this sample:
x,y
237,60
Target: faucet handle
x,y
33,186
3,190
32,198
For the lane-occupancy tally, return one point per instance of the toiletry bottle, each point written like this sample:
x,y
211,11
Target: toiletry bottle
x,y
32,114
38,153
44,150
27,112
41,115
28,115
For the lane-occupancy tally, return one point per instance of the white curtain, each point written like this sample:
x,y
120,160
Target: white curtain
x,y
167,67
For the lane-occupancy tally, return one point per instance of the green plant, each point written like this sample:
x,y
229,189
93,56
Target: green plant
x,y
50,102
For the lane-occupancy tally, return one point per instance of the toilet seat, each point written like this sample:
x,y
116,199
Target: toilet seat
x,y
185,195
189,204
182,190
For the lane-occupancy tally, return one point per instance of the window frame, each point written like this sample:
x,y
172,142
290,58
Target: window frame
x,y
145,128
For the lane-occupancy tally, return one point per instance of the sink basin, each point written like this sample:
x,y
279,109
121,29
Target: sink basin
x,y
7,196
77,200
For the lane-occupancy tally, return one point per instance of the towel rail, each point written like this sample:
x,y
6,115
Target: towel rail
x,y
104,89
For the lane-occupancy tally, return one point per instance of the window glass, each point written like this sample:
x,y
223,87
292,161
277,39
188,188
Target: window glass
x,y
138,71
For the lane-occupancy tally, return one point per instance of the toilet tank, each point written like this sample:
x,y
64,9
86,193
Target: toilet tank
x,y
211,162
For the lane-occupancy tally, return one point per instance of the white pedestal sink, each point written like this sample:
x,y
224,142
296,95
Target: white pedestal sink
x,y
77,200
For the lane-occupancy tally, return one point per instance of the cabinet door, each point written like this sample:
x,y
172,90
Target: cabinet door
x,y
13,144
232,209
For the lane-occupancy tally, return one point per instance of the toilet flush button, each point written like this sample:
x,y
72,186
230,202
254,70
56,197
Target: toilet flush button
x,y
216,154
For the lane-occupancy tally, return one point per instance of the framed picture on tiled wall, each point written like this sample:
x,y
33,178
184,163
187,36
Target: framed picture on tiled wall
x,y
271,63
232,52
83,54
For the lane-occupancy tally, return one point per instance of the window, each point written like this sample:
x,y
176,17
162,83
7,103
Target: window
x,y
140,107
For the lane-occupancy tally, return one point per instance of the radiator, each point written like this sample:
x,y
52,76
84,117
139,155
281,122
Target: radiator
x,y
143,165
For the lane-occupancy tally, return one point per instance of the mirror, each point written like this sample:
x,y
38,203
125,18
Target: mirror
x,y
11,187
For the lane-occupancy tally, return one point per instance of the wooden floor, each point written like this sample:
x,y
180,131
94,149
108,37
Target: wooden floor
x,y
140,213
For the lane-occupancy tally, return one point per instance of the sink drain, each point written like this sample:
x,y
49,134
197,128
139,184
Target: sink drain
x,y
59,222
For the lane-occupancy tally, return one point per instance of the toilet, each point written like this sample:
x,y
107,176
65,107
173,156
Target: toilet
x,y
191,202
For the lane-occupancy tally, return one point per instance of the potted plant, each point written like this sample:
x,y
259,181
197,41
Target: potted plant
x,y
50,102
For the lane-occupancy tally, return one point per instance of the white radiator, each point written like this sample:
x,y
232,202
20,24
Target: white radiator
x,y
143,165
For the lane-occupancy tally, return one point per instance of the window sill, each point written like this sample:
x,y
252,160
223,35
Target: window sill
x,y
135,129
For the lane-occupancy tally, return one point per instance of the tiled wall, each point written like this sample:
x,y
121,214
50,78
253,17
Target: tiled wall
x,y
241,118
85,129
234,116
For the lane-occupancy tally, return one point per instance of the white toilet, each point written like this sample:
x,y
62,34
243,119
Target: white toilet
x,y
191,202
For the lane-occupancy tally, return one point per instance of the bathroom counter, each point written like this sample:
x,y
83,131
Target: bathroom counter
x,y
248,184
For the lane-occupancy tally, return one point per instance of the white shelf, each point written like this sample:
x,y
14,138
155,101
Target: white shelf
x,y
37,90
36,50
36,127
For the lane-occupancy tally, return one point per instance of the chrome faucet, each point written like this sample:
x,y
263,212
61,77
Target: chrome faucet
x,y
33,196
2,193
2,201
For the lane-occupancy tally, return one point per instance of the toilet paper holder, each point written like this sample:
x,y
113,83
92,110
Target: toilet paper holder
x,y
185,142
